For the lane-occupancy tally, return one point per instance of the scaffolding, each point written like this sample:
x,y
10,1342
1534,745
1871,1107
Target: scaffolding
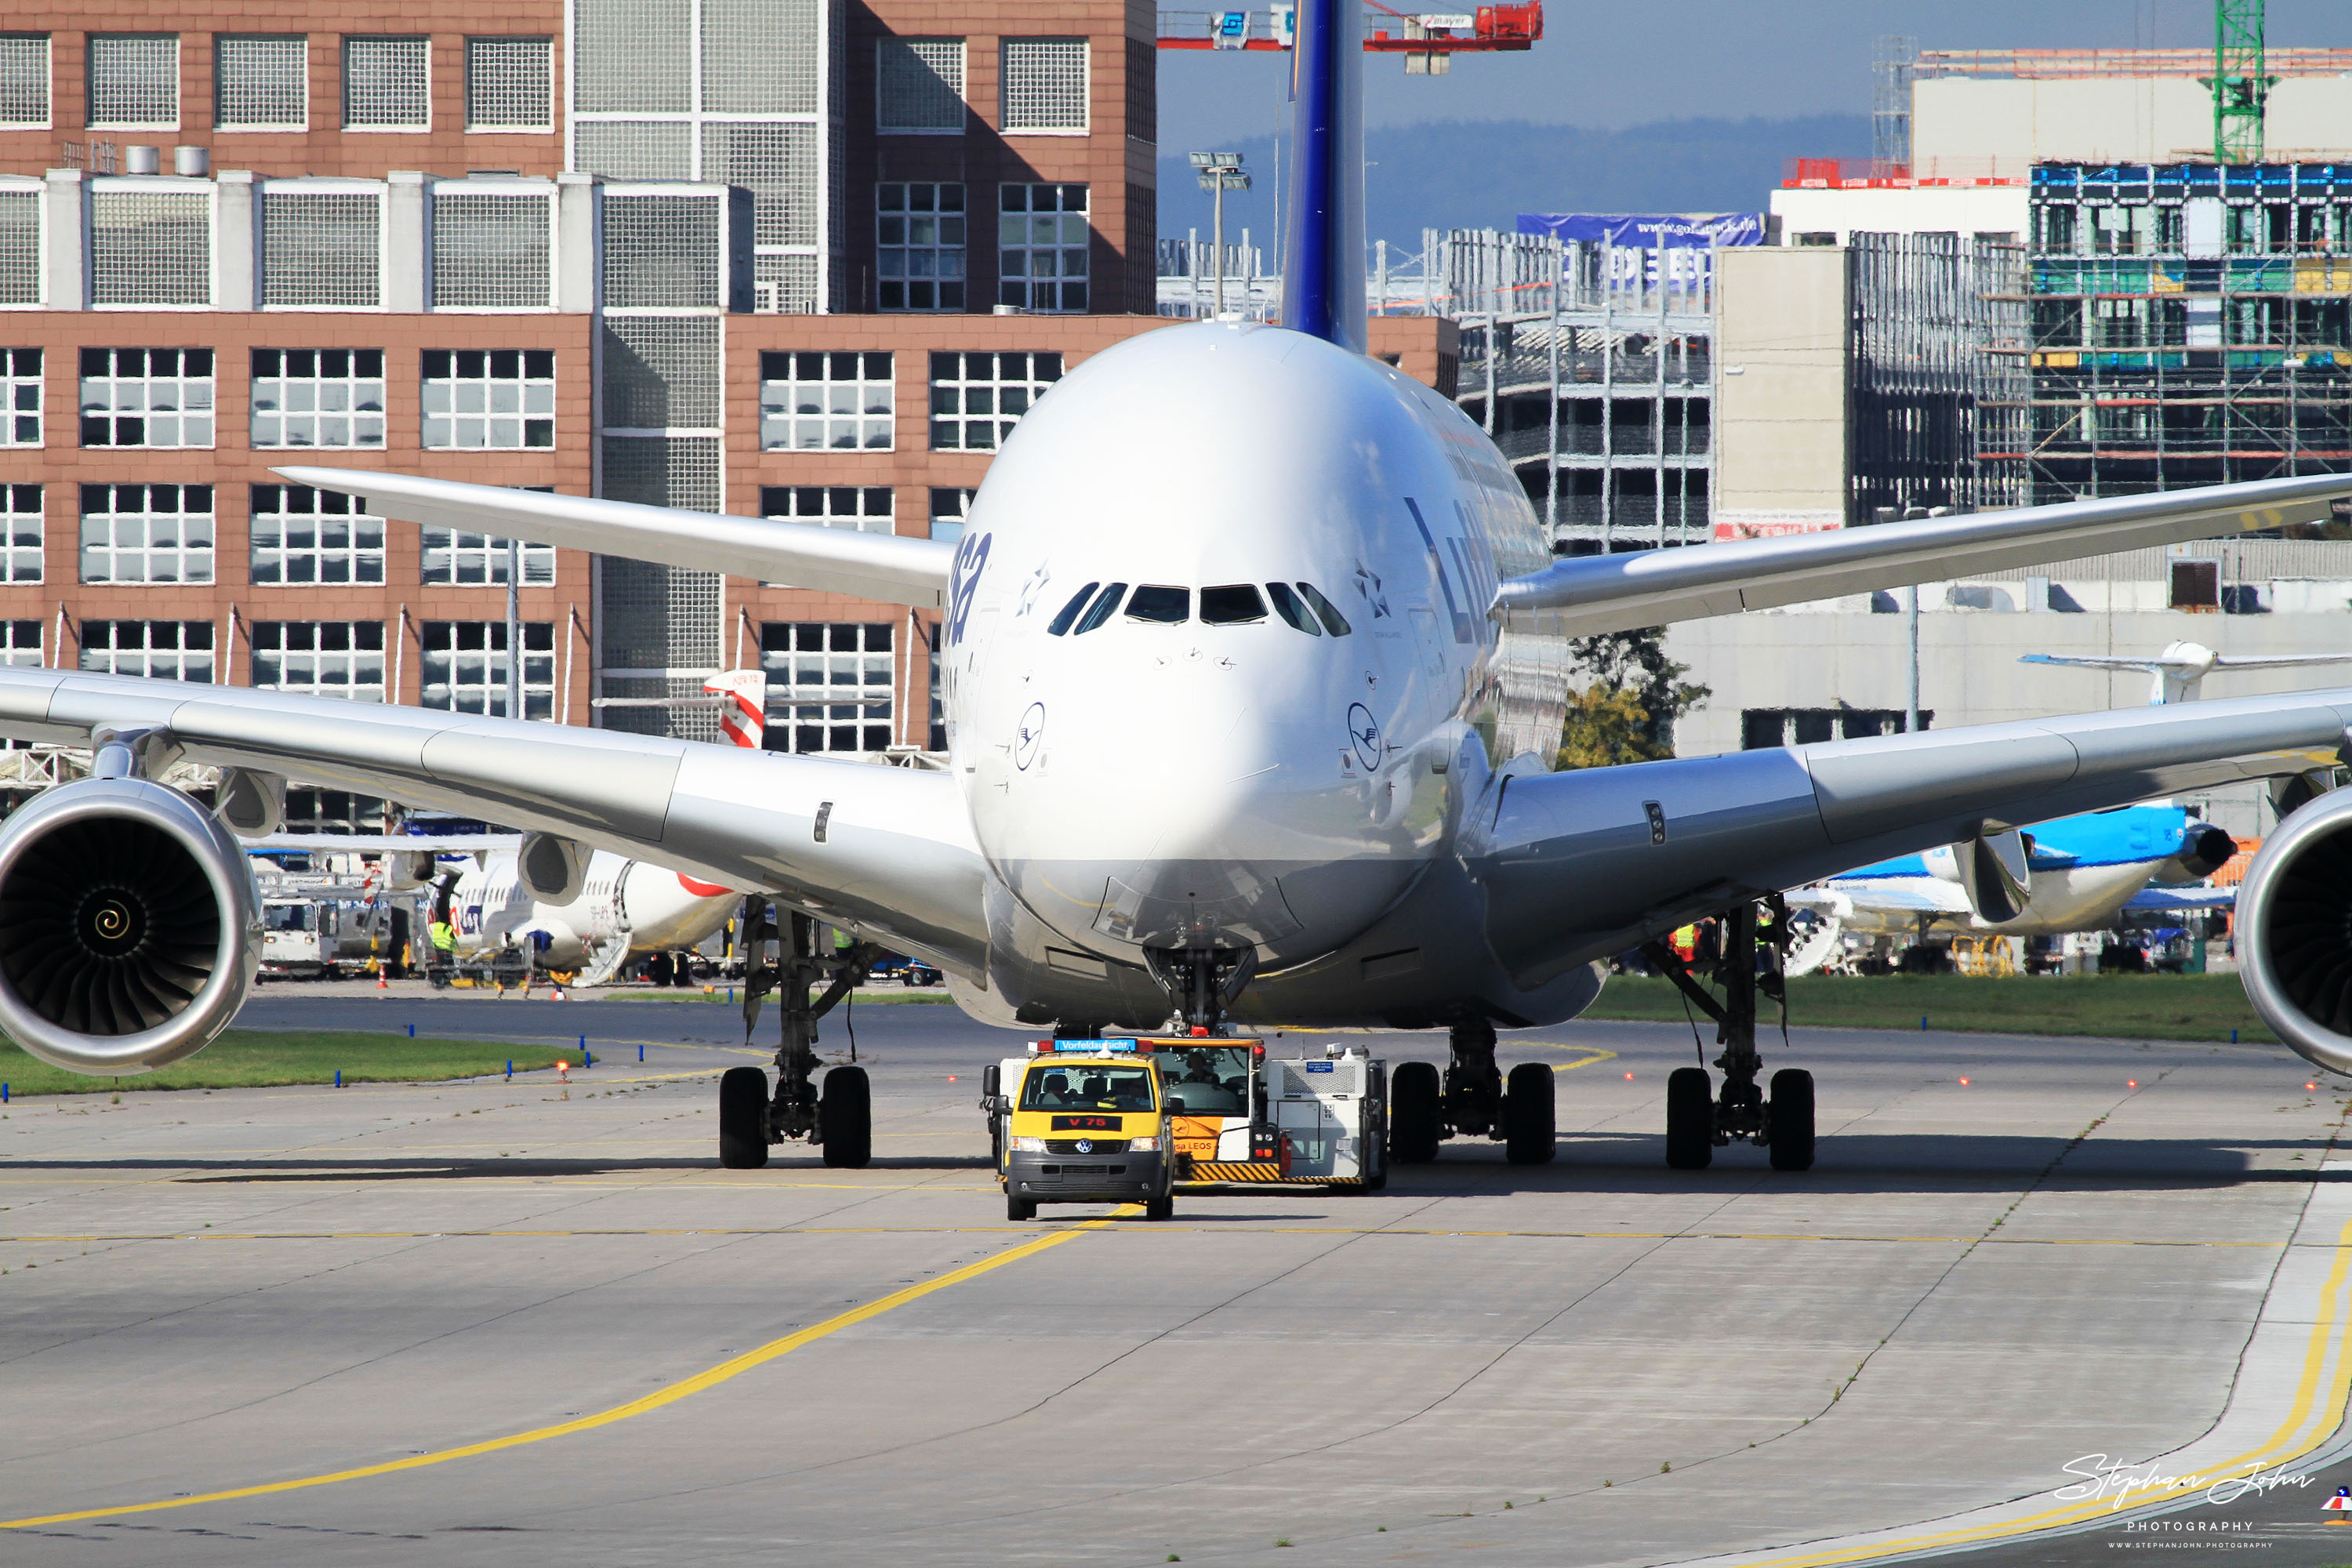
x,y
2191,324
1591,365
1938,380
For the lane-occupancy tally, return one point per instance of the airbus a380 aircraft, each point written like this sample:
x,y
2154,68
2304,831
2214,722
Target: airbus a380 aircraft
x,y
1251,728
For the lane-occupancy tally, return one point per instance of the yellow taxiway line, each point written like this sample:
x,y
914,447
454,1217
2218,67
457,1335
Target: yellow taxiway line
x,y
710,1378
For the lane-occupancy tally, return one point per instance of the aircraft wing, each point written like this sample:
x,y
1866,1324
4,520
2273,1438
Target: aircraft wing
x,y
2091,660
1578,866
1594,593
799,555
883,850
2198,898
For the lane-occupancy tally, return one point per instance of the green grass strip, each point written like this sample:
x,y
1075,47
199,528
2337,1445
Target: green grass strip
x,y
268,1058
2122,1007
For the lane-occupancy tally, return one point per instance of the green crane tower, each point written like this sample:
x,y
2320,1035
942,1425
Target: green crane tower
x,y
2240,81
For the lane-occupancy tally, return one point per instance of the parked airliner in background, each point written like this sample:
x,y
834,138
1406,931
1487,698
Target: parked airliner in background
x,y
2180,671
1254,729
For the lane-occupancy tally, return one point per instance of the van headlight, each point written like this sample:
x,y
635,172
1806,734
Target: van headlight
x,y
1028,1145
1143,1145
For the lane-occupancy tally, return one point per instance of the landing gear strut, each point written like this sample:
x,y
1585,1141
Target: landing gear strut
x,y
1203,982
1473,1100
840,1118
1698,1122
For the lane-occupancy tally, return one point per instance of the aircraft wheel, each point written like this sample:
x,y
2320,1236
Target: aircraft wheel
x,y
1792,1111
1690,1119
1020,1208
1529,1132
743,1119
1414,1092
844,1117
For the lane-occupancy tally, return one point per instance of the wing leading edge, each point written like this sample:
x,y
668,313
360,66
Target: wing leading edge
x,y
1653,587
888,851
804,555
1578,866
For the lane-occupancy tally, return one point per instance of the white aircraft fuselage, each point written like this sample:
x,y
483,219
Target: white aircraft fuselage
x,y
1181,783
655,910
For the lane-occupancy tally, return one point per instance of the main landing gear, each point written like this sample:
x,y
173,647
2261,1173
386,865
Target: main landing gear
x,y
838,1119
1473,1101
1697,1120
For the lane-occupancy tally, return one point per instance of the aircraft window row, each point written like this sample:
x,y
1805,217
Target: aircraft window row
x,y
1301,605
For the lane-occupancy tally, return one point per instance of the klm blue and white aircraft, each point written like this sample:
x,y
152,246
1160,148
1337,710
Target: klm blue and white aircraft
x,y
1253,730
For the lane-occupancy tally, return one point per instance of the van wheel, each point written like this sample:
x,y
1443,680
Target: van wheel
x,y
1161,1208
1020,1208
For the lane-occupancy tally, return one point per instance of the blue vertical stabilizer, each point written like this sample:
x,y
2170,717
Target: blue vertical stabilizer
x,y
1323,277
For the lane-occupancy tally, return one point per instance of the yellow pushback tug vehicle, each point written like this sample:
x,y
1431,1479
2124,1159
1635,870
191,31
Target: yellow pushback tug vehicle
x,y
1126,1120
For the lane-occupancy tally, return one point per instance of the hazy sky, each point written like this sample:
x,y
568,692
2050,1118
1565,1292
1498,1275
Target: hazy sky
x,y
1609,65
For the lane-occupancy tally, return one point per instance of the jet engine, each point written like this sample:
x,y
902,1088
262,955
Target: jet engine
x,y
130,930
2204,849
2294,932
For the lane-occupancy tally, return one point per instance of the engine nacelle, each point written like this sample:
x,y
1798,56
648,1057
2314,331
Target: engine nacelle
x,y
2294,932
130,930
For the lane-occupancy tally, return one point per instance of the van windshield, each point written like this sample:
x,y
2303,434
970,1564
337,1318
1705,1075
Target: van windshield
x,y
1087,1086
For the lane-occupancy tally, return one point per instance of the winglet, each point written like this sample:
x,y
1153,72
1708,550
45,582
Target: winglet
x,y
1323,273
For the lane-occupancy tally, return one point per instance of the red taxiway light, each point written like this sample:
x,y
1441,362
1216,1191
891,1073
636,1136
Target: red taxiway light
x,y
1964,1083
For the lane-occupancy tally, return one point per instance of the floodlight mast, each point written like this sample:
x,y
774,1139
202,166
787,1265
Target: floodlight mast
x,y
1220,172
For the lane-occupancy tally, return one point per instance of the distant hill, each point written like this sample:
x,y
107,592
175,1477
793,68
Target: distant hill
x,y
1484,174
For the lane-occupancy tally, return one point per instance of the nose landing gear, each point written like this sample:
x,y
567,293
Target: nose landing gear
x,y
838,1118
1203,982
1698,1121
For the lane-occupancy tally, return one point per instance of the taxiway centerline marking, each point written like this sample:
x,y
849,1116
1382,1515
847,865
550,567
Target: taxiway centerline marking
x,y
711,1377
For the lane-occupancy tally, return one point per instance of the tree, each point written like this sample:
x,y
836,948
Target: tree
x,y
1627,714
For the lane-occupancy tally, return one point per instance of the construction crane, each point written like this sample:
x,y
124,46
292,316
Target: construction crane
x,y
2241,81
1427,39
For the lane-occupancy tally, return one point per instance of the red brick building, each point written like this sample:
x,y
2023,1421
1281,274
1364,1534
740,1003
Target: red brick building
x,y
747,254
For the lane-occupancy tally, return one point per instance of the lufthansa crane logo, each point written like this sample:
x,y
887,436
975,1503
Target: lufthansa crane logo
x,y
1025,740
1364,734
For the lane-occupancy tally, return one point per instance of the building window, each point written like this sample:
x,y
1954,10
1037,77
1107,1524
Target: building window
x,y
20,554
20,248
147,533
918,239
465,668
149,247
950,507
319,658
134,81
20,644
829,685
918,86
862,509
387,84
20,396
322,248
817,401
1760,728
24,80
318,397
1045,85
1041,233
304,535
489,399
167,650
147,397
508,84
977,398
463,560
261,83
490,250
335,811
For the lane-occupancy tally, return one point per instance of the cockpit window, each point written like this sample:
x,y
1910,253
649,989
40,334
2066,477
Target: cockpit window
x,y
1333,621
1070,611
1233,604
1105,604
1292,608
1166,605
